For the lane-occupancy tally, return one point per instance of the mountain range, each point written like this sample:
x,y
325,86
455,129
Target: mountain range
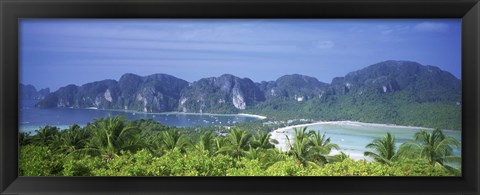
x,y
415,83
29,92
162,92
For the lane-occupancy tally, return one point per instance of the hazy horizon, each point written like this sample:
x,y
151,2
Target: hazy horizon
x,y
58,52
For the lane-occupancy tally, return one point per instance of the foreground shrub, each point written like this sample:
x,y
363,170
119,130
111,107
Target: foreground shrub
x,y
39,161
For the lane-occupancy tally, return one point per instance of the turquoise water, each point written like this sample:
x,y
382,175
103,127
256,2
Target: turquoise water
x,y
32,118
353,137
357,137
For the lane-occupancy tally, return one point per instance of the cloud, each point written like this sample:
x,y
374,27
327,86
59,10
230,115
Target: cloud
x,y
137,47
324,44
431,27
313,45
391,29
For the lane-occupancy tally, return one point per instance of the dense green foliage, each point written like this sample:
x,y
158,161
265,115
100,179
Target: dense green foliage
x,y
396,108
310,146
118,147
194,163
436,147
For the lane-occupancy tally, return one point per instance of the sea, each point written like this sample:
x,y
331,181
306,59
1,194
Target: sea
x,y
352,137
32,118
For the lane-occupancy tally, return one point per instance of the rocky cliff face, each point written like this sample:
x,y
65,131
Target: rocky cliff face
x,y
29,92
230,94
295,87
98,94
154,93
226,93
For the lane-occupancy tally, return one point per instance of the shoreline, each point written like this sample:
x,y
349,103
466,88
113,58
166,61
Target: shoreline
x,y
281,134
252,115
25,127
352,123
181,113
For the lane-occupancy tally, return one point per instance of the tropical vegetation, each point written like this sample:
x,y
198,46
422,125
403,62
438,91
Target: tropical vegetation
x,y
384,149
435,147
119,147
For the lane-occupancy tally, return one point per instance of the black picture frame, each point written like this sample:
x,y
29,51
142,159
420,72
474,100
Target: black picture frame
x,y
12,10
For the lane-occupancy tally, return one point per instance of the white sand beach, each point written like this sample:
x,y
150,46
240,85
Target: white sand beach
x,y
253,115
178,113
281,135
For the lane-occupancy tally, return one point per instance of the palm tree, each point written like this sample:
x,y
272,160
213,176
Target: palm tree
x,y
435,147
300,148
111,135
262,140
238,142
72,139
272,156
321,146
174,140
45,135
24,138
219,143
154,143
253,153
384,149
266,157
310,147
206,142
340,157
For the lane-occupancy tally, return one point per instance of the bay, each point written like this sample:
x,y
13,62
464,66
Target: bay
x,y
352,137
32,118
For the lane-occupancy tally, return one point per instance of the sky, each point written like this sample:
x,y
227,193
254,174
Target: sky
x,y
58,52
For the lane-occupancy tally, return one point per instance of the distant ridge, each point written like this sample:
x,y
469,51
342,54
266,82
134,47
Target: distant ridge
x,y
408,81
29,92
227,93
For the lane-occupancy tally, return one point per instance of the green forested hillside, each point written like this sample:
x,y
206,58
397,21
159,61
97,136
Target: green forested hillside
x,y
397,108
394,92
